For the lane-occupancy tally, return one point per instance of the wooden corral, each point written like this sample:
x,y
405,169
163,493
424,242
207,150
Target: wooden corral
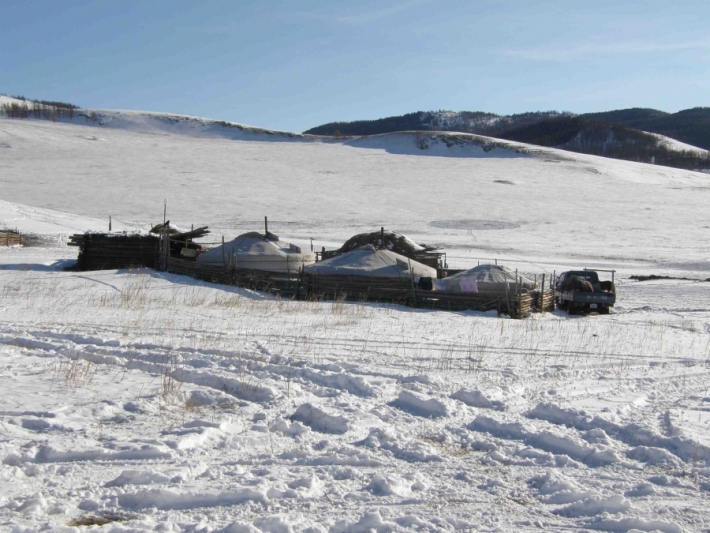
x,y
102,251
280,283
357,288
544,300
109,251
364,289
10,238
513,305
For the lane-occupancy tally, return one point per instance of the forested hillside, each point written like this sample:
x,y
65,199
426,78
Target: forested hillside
x,y
690,126
623,134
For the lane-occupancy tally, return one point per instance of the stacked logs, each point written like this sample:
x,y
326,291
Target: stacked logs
x,y
110,251
10,238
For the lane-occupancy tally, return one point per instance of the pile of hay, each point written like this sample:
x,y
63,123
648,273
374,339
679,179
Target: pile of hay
x,y
393,241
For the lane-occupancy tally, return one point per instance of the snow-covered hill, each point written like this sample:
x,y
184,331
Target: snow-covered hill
x,y
151,402
158,123
552,203
588,134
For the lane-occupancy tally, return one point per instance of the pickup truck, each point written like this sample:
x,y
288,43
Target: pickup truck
x,y
580,291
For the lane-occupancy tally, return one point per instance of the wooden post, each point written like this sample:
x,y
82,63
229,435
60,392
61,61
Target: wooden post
x,y
507,298
224,260
542,294
109,222
517,291
520,291
159,251
411,277
266,227
233,274
165,210
382,237
297,296
166,248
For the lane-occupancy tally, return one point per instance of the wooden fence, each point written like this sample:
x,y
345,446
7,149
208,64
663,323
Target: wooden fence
x,y
364,289
114,251
287,284
10,238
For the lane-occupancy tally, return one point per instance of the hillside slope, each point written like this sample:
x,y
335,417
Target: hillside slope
x,y
475,199
634,135
691,126
583,134
140,121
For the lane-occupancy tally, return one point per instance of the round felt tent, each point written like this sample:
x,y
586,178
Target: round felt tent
x,y
257,251
484,278
372,262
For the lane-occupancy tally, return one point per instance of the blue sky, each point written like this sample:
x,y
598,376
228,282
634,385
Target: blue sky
x,y
292,65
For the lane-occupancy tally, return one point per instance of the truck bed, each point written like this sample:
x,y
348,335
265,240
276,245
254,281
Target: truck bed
x,y
585,298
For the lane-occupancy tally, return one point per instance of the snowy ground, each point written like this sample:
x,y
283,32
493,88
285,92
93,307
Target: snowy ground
x,y
162,404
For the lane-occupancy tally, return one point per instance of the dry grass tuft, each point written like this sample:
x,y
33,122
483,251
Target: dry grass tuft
x,y
76,373
98,520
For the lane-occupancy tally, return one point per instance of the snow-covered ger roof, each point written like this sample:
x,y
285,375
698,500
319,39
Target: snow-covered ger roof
x,y
370,261
487,277
257,251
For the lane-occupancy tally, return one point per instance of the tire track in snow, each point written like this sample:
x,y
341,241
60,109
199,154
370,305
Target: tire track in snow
x,y
241,375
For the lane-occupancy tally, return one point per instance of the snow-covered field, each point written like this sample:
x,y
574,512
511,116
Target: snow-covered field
x,y
157,403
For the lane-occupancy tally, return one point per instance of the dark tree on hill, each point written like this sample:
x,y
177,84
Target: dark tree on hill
x,y
691,126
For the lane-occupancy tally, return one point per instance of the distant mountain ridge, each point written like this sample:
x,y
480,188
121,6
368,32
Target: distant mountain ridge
x,y
633,134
